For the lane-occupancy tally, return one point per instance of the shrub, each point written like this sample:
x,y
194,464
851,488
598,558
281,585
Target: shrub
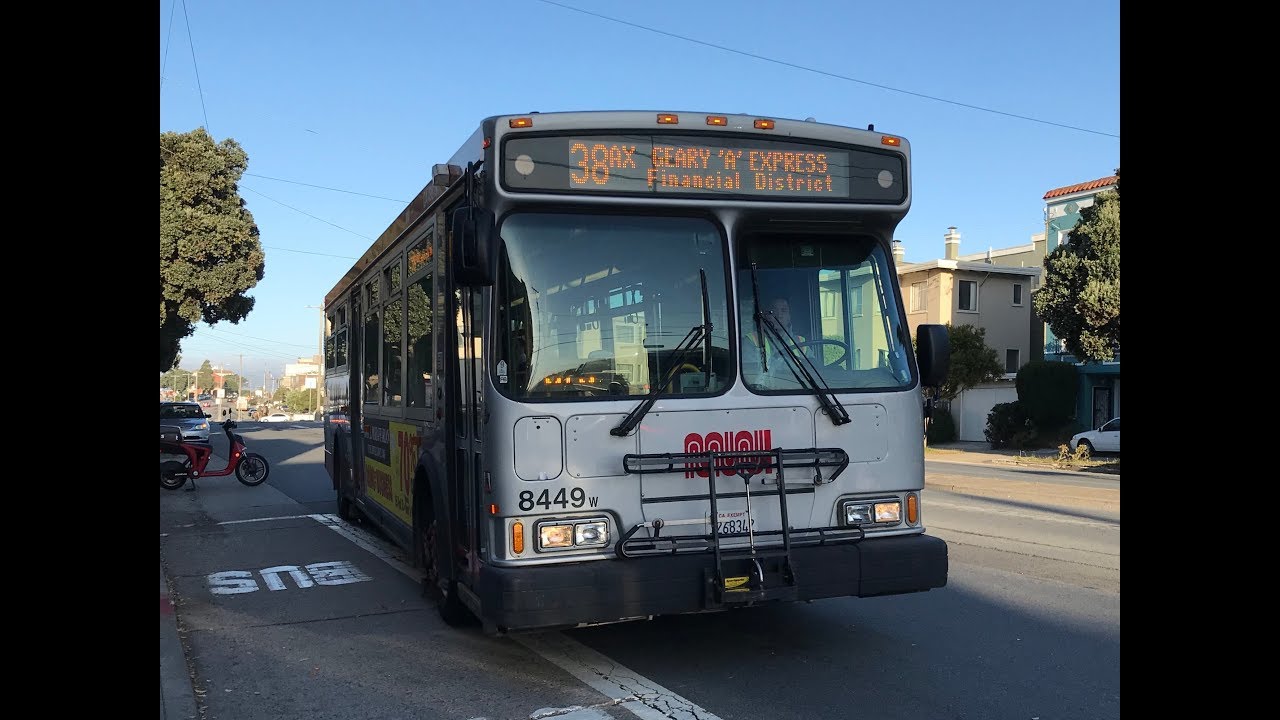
x,y
1008,425
1048,392
942,427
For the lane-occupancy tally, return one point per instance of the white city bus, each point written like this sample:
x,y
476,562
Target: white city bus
x,y
614,365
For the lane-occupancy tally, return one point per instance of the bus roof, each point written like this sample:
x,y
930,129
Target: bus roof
x,y
444,176
442,179
690,121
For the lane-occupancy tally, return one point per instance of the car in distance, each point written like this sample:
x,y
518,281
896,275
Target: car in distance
x,y
277,417
1105,439
188,416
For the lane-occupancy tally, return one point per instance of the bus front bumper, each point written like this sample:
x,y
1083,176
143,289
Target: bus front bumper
x,y
609,590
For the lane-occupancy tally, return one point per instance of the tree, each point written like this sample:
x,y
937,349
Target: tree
x,y
1080,298
972,362
204,377
300,401
210,254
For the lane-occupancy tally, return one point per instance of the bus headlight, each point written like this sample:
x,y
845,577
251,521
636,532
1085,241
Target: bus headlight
x,y
863,512
856,514
888,513
555,536
568,534
591,534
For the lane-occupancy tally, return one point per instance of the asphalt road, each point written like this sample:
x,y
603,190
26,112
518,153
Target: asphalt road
x,y
334,627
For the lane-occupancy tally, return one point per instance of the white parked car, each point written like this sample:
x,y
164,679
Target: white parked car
x,y
276,417
1105,439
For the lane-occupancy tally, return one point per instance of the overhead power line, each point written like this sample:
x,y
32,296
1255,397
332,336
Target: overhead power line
x,y
825,72
326,222
167,42
199,89
322,187
310,252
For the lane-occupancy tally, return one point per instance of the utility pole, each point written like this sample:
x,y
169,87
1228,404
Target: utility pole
x,y
320,355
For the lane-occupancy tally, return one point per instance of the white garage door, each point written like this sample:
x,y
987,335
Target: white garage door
x,y
971,408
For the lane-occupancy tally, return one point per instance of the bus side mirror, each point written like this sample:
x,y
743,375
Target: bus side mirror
x,y
471,237
933,354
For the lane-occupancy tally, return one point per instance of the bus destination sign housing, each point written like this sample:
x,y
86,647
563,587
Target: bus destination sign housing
x,y
684,165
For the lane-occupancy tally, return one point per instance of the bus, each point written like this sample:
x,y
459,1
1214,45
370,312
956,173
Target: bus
x,y
608,366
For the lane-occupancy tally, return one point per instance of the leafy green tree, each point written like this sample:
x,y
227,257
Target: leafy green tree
x,y
1080,298
300,401
204,376
972,362
210,254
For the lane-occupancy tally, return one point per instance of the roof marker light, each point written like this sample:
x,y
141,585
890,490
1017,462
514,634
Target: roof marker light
x,y
891,141
523,122
763,124
668,119
717,120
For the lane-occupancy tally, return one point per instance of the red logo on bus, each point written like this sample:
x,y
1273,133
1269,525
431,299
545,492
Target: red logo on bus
x,y
723,442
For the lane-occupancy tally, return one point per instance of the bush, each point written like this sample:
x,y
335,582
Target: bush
x,y
942,427
1009,425
1048,392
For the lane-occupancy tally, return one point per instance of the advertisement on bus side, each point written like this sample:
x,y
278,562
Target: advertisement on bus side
x,y
390,456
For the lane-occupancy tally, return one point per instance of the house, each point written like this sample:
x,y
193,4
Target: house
x,y
980,292
936,291
1098,396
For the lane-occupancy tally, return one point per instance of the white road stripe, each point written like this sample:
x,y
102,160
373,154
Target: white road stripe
x,y
278,517
645,698
624,687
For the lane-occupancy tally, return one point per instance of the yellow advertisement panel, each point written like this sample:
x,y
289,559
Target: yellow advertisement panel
x,y
390,457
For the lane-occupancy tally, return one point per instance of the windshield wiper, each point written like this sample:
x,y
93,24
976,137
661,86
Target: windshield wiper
x,y
686,346
799,364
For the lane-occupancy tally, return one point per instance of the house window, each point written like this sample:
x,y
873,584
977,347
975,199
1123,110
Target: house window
x,y
1011,361
917,297
1017,294
968,295
855,301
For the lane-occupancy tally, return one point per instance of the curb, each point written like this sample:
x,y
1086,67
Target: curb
x,y
177,699
1012,463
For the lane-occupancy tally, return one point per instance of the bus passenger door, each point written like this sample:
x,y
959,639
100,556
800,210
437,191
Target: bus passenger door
x,y
467,429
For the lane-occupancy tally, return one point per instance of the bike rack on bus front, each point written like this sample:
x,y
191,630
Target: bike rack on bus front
x,y
745,464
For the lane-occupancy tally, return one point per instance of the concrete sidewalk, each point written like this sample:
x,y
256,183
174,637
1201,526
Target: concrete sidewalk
x,y
982,453
177,699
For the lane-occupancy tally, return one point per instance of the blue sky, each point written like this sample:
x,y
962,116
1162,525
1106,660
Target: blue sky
x,y
1001,101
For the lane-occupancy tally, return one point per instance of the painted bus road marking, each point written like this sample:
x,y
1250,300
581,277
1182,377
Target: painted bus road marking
x,y
235,582
625,688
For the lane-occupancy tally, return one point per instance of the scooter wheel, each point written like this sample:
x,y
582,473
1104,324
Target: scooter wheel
x,y
173,474
253,469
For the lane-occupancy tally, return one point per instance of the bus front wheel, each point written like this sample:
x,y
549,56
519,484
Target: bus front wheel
x,y
429,551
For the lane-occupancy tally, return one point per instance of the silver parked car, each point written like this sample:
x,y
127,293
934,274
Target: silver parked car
x,y
189,416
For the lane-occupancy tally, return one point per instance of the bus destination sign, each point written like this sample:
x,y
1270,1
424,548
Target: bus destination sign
x,y
663,164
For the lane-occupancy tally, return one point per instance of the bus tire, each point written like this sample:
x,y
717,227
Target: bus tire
x,y
428,553
346,506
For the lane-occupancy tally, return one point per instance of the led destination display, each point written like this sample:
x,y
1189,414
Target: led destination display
x,y
663,164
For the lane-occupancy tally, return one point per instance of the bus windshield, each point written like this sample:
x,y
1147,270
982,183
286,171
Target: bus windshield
x,y
595,305
835,296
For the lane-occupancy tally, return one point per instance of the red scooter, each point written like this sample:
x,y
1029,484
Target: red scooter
x,y
250,468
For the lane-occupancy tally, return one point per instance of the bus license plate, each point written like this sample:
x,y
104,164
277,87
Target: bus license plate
x,y
730,523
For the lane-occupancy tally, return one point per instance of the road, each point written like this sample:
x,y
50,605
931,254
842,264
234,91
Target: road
x,y
1028,625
